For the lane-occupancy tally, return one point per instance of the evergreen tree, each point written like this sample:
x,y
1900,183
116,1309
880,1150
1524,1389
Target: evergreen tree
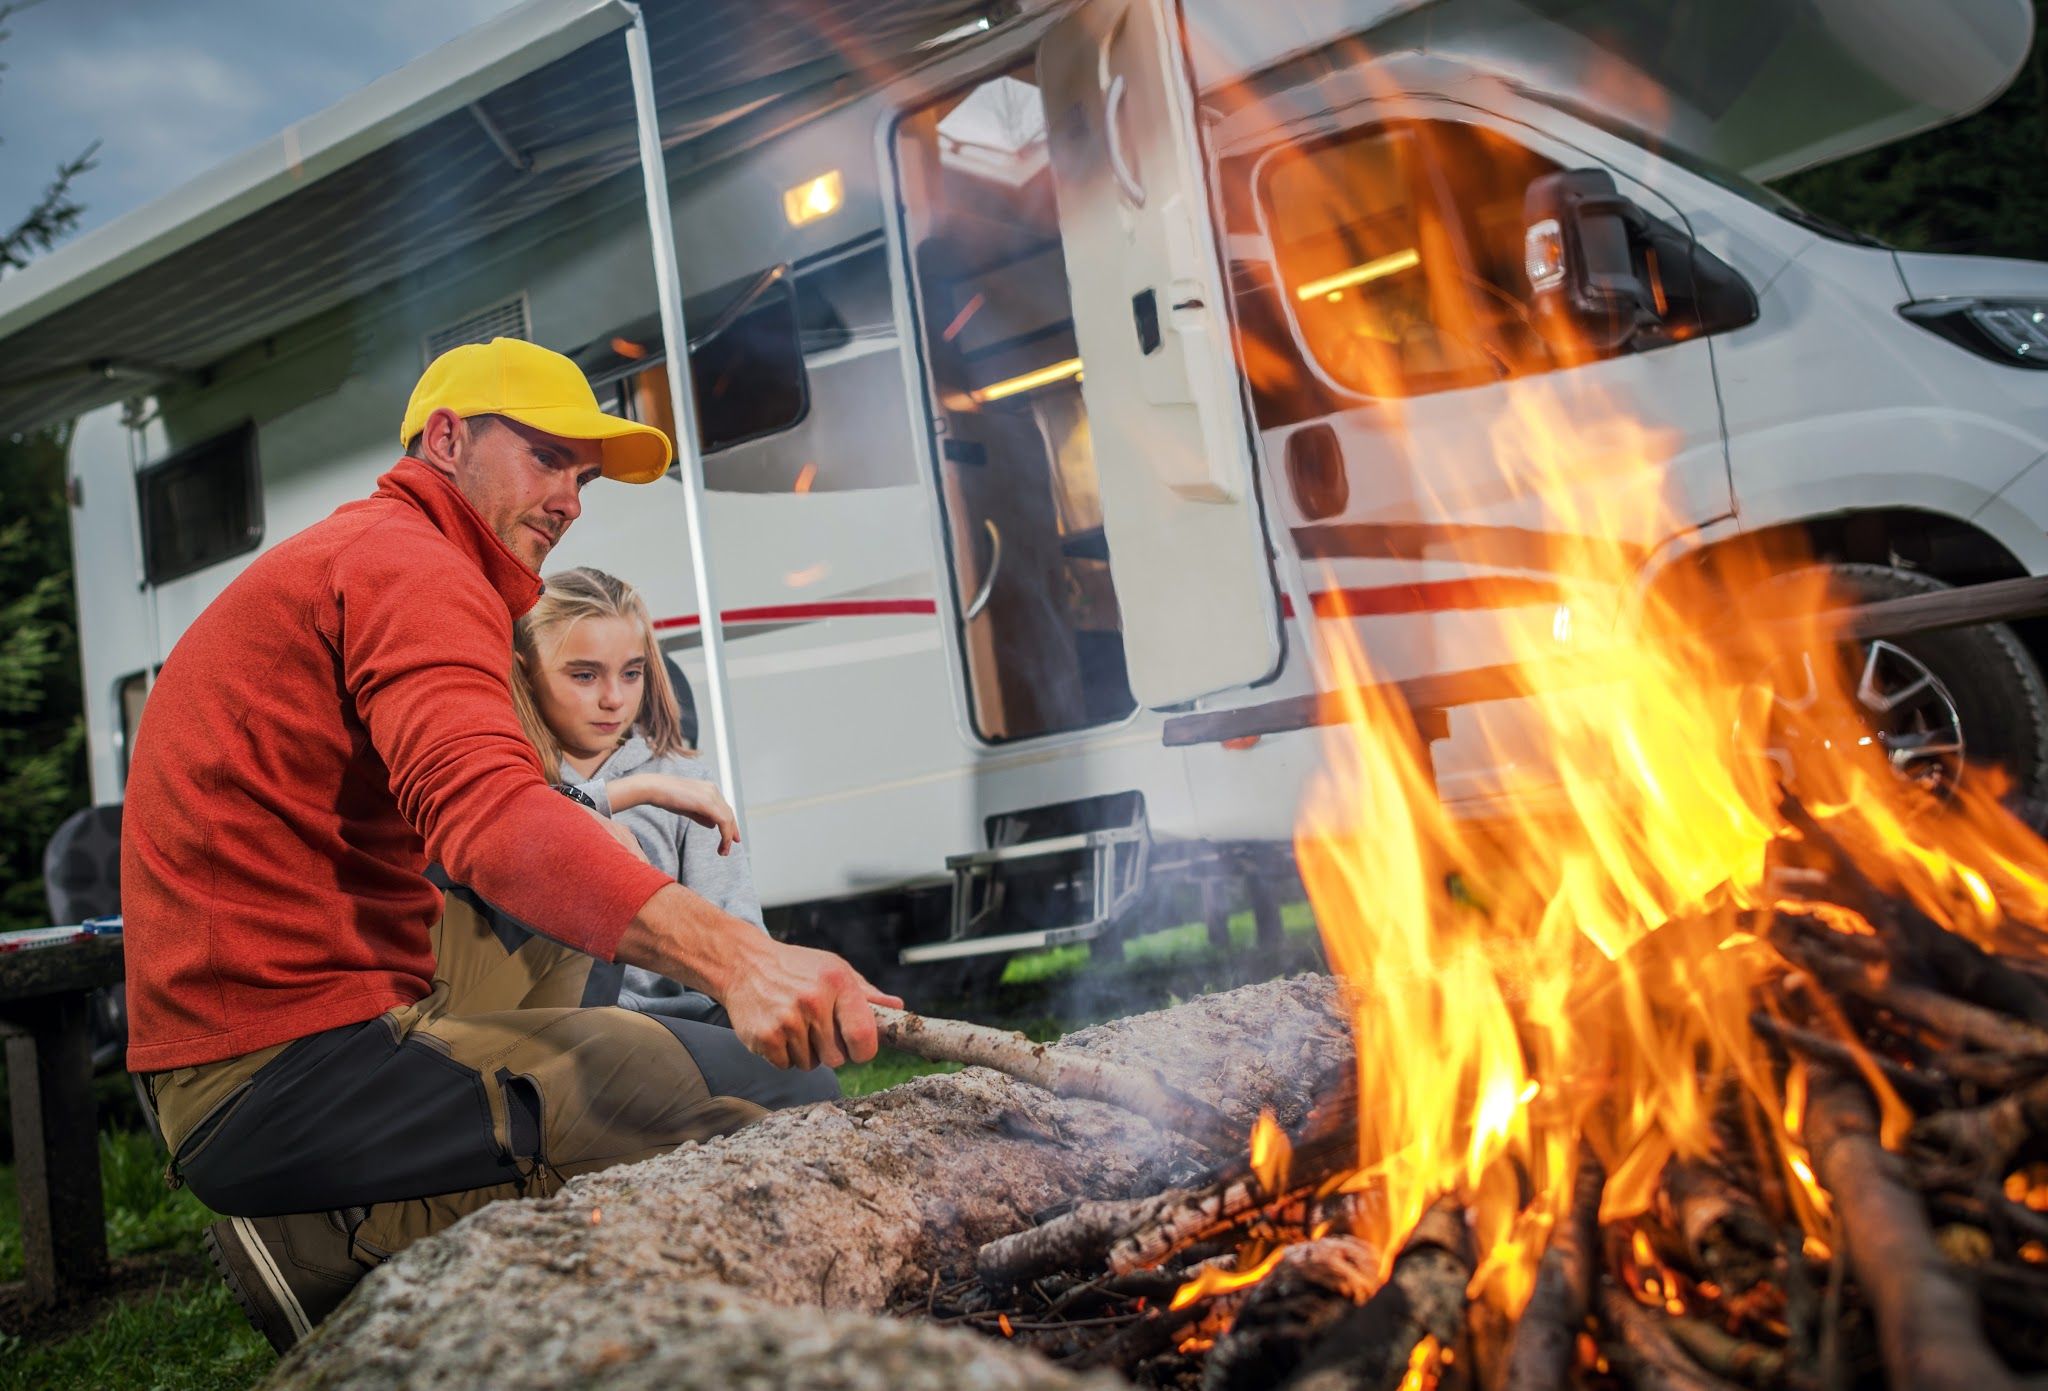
x,y
42,734
1974,186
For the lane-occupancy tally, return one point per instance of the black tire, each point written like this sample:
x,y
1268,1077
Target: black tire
x,y
2000,699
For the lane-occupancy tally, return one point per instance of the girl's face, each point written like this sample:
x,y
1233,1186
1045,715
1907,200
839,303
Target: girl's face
x,y
591,683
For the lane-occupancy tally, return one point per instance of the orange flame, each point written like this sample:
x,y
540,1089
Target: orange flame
x,y
1581,961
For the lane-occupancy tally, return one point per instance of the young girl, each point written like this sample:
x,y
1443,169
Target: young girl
x,y
593,695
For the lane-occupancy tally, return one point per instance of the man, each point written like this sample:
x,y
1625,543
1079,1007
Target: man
x,y
335,1060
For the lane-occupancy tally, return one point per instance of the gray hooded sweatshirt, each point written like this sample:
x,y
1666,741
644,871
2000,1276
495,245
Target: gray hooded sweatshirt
x,y
685,851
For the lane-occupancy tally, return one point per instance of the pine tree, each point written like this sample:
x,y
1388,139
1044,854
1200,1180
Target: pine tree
x,y
42,733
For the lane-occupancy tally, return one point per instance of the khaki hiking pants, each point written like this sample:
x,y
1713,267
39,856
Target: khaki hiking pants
x,y
504,1082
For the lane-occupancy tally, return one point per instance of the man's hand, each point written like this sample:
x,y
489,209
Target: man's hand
x,y
794,1006
802,1008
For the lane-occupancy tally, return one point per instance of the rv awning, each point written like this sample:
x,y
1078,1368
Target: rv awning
x,y
515,116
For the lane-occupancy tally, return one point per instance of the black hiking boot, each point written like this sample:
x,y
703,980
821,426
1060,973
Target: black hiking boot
x,y
287,1273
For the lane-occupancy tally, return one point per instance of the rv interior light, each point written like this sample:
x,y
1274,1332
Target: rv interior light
x,y
1359,275
627,348
814,198
1030,381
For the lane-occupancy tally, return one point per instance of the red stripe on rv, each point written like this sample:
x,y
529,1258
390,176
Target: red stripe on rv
x,y
1435,597
805,613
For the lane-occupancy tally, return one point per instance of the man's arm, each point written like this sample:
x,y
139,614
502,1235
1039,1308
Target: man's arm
x,y
794,1006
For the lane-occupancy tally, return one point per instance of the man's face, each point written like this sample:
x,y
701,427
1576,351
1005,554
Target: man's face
x,y
525,483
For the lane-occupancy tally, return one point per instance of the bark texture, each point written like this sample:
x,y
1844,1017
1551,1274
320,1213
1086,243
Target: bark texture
x,y
848,1206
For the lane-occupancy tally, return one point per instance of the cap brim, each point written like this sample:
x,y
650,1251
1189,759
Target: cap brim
x,y
633,453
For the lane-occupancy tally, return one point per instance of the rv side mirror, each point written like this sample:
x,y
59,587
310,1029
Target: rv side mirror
x,y
1588,286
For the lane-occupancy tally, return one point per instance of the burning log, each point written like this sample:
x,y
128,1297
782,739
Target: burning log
x,y
1646,1349
1059,1071
1314,1285
1370,1348
1725,1232
1541,1355
1929,1325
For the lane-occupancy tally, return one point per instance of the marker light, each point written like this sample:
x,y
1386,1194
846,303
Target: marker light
x,y
1359,275
814,198
1044,376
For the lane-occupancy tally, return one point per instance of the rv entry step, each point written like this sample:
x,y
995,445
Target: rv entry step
x,y
1069,888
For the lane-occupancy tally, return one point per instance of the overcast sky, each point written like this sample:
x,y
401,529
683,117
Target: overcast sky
x,y
172,87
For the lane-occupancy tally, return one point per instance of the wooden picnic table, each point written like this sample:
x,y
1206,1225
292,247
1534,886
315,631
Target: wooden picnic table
x,y
45,1019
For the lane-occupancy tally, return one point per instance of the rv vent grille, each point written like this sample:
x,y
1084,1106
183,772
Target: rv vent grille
x,y
506,319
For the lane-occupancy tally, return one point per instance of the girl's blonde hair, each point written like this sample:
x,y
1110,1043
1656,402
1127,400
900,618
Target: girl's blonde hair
x,y
565,599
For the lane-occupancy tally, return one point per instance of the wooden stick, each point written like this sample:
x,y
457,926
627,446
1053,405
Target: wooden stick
x,y
1540,1357
1982,1142
1929,1327
1076,1240
1918,1091
1059,1071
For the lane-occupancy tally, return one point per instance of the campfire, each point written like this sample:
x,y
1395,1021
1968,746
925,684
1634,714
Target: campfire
x,y
1715,1054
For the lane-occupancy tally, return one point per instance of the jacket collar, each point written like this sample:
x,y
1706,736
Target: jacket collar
x,y
419,485
624,759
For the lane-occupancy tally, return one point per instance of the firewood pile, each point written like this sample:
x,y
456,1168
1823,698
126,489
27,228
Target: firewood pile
x,y
1890,1230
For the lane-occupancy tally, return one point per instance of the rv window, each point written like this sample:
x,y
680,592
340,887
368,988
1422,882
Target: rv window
x,y
749,380
1041,633
1399,251
201,505
129,694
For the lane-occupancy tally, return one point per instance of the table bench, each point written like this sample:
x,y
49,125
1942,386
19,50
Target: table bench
x,y
46,1021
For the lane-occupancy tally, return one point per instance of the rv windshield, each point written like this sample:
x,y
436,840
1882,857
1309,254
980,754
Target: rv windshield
x,y
1739,184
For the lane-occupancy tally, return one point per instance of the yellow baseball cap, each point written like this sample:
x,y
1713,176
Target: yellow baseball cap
x,y
525,382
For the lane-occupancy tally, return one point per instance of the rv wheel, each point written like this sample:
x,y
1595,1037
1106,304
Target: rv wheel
x,y
1938,701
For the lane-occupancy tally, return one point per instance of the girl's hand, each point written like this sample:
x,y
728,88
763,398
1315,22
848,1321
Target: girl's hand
x,y
696,798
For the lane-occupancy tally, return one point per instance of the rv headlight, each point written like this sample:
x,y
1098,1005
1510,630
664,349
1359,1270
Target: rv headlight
x,y
2011,331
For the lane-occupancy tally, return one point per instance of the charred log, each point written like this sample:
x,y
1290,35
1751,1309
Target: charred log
x,y
1929,1325
1424,1297
1315,1284
1540,1356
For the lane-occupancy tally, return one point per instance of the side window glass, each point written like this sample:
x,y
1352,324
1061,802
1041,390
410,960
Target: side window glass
x,y
1041,632
200,506
1399,256
749,377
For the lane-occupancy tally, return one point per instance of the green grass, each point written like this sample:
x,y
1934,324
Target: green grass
x,y
178,1331
185,1335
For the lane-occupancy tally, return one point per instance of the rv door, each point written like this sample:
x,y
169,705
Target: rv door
x,y
1159,378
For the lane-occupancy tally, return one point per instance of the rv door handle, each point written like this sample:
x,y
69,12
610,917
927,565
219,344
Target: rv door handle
x,y
988,583
1112,106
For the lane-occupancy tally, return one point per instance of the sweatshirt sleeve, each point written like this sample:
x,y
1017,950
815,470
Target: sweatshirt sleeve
x,y
426,649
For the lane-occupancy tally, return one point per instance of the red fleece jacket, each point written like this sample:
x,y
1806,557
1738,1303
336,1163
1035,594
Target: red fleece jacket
x,y
336,719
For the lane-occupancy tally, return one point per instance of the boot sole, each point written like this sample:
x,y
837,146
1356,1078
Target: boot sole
x,y
278,1316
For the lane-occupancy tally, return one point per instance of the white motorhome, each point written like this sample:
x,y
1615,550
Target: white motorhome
x,y
960,581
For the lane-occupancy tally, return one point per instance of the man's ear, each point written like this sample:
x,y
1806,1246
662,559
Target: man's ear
x,y
442,440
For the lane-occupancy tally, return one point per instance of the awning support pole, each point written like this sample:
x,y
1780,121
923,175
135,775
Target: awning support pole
x,y
668,285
